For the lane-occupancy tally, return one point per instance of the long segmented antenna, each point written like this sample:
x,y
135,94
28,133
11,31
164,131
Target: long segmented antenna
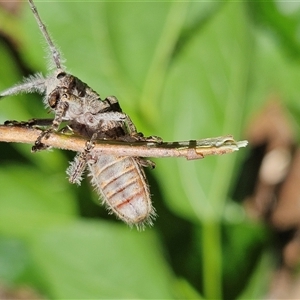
x,y
54,52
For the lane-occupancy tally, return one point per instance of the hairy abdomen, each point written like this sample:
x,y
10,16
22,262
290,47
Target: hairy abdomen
x,y
122,185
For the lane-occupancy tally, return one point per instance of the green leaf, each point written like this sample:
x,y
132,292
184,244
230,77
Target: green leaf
x,y
282,20
259,281
14,259
30,201
97,260
205,95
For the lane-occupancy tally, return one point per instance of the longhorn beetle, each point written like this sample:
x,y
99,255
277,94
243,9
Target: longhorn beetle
x,y
119,180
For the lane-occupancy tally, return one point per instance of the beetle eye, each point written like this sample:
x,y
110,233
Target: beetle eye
x,y
61,75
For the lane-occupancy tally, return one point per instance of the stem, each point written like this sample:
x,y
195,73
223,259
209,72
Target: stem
x,y
188,149
212,263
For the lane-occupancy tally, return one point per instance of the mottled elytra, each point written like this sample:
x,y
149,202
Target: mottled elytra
x,y
120,181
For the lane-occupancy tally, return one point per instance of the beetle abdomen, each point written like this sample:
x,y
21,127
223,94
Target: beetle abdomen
x,y
122,185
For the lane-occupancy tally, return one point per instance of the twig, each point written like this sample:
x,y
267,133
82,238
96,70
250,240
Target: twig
x,y
189,149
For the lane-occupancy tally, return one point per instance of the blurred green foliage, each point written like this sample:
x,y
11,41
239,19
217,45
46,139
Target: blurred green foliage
x,y
181,70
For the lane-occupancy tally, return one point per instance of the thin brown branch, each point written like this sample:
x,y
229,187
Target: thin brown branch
x,y
189,149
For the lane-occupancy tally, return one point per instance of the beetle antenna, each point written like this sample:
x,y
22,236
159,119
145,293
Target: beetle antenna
x,y
55,54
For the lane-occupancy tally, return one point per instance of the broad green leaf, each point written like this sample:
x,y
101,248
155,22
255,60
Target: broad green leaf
x,y
97,260
205,95
30,201
14,259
